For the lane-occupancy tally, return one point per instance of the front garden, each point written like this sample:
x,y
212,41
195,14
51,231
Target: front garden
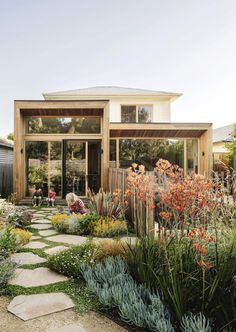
x,y
177,274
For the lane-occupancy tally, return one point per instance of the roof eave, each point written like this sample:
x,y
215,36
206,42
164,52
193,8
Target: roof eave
x,y
172,96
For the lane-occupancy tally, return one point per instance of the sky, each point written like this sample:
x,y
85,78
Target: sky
x,y
184,46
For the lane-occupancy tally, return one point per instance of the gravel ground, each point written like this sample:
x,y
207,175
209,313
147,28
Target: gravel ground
x,y
91,322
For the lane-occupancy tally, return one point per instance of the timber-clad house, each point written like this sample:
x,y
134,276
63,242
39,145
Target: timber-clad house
x,y
70,139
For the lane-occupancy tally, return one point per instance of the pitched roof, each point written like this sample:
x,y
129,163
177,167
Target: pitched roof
x,y
110,91
223,134
6,143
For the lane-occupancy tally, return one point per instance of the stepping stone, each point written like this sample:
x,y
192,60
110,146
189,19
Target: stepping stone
x,y
41,221
48,232
55,250
49,209
23,258
40,226
69,239
35,245
38,277
70,328
35,237
32,306
40,215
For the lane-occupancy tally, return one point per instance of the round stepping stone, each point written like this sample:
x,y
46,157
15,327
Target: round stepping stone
x,y
48,232
40,226
35,245
69,239
70,328
32,306
23,258
55,250
38,277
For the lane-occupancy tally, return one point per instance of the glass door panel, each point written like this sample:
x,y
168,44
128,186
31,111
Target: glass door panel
x,y
75,168
94,165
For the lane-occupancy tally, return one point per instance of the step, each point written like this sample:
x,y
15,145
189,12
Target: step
x,y
59,201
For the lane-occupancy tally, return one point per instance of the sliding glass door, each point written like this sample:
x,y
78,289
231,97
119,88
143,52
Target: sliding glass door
x,y
75,167
81,166
68,166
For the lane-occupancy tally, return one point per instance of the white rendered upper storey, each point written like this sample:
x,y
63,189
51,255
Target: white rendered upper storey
x,y
125,104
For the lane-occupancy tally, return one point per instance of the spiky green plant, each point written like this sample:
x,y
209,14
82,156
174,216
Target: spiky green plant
x,y
106,204
115,288
195,323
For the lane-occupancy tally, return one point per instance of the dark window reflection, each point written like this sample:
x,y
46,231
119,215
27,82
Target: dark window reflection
x,y
79,125
128,113
43,166
147,152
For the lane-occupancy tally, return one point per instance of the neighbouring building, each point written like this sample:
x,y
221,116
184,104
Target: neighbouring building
x,y
70,139
6,167
221,136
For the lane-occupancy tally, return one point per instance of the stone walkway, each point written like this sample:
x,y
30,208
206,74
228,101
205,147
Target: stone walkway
x,y
31,307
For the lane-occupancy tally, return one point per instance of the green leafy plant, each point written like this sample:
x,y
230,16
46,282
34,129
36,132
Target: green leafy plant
x,y
74,224
69,261
7,269
12,198
193,272
20,218
8,240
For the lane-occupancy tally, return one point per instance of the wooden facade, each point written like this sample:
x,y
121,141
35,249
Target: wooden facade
x,y
115,131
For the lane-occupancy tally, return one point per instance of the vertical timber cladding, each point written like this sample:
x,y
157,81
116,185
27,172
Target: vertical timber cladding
x,y
24,108
206,152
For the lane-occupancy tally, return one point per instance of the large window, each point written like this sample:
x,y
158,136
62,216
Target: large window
x,y
52,125
148,151
43,166
136,113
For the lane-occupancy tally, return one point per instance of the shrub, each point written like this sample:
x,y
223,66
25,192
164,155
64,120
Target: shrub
x,y
58,217
20,218
109,227
68,261
74,224
8,240
112,248
194,272
23,236
114,287
12,198
6,271
107,204
86,223
197,323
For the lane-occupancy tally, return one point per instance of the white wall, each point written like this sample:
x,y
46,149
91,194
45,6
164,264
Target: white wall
x,y
161,109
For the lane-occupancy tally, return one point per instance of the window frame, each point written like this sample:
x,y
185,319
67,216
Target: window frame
x,y
137,112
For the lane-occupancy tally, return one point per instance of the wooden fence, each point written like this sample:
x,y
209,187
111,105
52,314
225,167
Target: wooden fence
x,y
227,180
6,179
